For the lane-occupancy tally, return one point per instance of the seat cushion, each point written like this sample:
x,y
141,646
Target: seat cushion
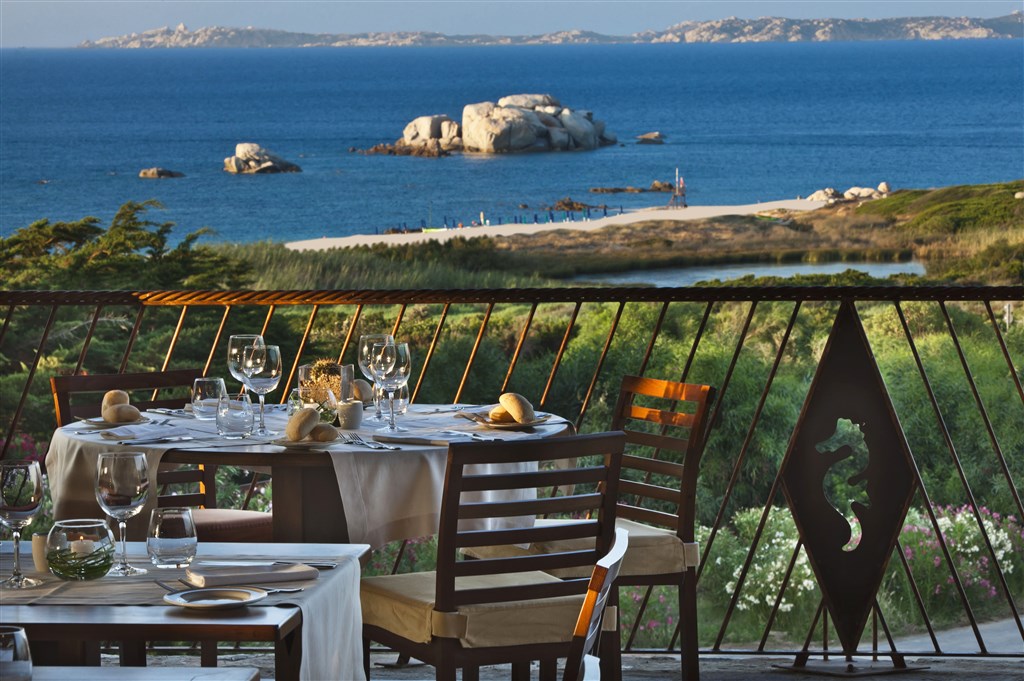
x,y
651,551
404,605
229,524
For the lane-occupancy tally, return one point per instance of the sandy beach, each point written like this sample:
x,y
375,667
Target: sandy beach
x,y
656,213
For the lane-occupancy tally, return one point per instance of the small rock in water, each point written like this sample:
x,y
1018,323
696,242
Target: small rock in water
x,y
159,173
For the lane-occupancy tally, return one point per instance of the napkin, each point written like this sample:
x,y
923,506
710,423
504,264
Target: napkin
x,y
419,440
144,433
247,574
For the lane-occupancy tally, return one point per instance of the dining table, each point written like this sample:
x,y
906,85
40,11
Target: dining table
x,y
365,487
316,631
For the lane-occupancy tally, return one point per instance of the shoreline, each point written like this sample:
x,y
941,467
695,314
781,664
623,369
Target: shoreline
x,y
643,214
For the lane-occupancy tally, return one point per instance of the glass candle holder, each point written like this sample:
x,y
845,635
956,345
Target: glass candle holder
x,y
80,549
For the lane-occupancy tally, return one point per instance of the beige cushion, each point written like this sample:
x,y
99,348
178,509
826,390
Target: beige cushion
x,y
404,605
229,524
651,551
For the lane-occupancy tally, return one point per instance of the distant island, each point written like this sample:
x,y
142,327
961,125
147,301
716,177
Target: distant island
x,y
731,30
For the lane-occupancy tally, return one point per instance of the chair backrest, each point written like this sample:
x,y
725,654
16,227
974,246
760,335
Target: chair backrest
x,y
80,396
665,423
581,664
491,498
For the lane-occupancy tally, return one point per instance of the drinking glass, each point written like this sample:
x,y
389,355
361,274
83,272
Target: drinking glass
x,y
236,347
171,540
391,364
234,417
122,486
15,656
366,343
21,493
206,394
262,368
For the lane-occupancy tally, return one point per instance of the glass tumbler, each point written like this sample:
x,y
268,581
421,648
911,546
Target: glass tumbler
x,y
15,657
206,393
234,417
171,540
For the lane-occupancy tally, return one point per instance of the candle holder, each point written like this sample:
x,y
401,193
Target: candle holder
x,y
78,550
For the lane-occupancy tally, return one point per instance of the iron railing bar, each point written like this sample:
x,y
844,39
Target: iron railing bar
x,y
430,351
654,339
398,320
87,341
28,381
782,594
266,321
519,347
963,477
171,345
472,353
561,351
949,443
696,341
141,310
814,624
918,599
7,322
216,339
1006,353
344,344
877,612
310,321
600,365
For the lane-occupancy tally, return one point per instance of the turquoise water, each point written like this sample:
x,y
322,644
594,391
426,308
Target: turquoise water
x,y
743,123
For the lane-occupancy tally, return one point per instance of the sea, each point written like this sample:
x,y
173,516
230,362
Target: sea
x,y
742,123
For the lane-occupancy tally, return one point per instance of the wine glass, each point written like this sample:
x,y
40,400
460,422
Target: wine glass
x,y
391,364
122,486
236,347
21,493
366,343
262,368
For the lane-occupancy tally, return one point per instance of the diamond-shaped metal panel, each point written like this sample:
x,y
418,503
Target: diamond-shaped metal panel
x,y
848,463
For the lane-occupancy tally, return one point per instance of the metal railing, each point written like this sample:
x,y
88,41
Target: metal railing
x,y
951,359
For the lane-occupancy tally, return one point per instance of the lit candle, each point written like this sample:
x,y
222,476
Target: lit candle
x,y
81,546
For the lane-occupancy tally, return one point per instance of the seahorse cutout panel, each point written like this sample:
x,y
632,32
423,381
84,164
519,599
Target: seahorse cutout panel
x,y
845,483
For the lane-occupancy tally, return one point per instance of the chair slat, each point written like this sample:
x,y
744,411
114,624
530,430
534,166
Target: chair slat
x,y
579,504
665,418
656,441
544,562
545,478
648,516
576,529
647,491
567,587
642,463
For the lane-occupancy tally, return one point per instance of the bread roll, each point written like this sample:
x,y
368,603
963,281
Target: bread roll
x,y
302,423
323,432
518,406
121,413
113,397
500,415
363,390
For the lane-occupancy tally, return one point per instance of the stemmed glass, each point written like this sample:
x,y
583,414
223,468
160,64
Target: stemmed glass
x,y
122,486
391,364
366,343
262,368
236,349
21,493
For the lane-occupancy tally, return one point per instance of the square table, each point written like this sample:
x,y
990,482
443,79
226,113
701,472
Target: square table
x,y
317,634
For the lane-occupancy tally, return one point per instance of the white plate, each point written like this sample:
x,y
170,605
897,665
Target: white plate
x,y
486,422
304,444
216,598
98,422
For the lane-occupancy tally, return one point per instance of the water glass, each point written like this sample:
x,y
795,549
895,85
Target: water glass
x,y
366,343
234,417
206,393
171,540
15,657
402,400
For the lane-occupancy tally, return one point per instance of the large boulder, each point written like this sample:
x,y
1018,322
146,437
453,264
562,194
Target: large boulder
x,y
251,158
580,128
528,101
860,193
424,128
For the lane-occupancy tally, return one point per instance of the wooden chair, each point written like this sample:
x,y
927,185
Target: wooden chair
x,y
470,613
581,665
80,397
665,424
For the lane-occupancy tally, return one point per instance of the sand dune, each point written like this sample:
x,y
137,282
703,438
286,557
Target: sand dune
x,y
660,213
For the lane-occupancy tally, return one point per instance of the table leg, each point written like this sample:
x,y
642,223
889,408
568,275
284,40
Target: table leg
x,y
298,520
288,656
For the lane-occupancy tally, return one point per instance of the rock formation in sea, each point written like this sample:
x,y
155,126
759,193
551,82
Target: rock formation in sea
x,y
650,138
159,173
251,158
526,122
830,194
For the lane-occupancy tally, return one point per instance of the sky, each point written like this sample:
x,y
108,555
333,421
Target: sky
x,y
66,23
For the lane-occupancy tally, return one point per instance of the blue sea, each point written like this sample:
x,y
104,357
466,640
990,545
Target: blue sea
x,y
743,123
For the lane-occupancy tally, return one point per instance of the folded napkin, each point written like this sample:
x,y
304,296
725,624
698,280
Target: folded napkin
x,y
419,439
201,576
146,432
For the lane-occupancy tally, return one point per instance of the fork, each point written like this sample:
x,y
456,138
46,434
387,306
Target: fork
x,y
475,436
355,439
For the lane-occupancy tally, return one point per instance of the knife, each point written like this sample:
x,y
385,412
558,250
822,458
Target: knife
x,y
318,564
412,440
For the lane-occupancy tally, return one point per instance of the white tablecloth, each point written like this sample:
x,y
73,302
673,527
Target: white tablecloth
x,y
387,495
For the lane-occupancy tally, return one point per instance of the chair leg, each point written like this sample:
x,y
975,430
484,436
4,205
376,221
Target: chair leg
x,y
445,671
688,643
549,669
366,658
471,674
520,671
610,645
208,654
